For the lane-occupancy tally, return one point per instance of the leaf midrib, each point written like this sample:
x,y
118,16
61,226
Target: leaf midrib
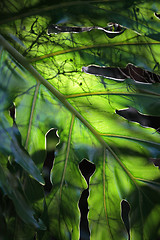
x,y
22,60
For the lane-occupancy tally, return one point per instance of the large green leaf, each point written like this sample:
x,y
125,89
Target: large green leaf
x,y
44,79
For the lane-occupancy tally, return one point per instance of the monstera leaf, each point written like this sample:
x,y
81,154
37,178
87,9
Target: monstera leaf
x,y
79,94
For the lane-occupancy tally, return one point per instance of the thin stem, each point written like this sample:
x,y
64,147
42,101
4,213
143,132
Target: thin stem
x,y
67,153
145,94
90,47
31,115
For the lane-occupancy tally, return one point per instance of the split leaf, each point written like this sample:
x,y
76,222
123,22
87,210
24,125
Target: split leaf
x,y
133,115
87,169
120,74
112,30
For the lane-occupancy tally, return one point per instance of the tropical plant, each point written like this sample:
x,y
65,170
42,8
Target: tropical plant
x,y
79,120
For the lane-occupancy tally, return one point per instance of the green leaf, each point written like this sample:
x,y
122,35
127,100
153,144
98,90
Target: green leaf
x,y
10,187
42,75
10,135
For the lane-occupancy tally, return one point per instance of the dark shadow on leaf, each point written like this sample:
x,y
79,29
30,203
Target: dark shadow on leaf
x,y
6,206
144,202
17,153
133,115
12,112
33,190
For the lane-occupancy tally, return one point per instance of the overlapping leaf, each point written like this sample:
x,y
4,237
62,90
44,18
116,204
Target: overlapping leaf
x,y
83,109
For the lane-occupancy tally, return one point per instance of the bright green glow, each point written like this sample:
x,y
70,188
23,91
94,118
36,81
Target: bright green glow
x,y
82,108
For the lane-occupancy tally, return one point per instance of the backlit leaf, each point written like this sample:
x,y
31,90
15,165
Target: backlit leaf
x,y
41,75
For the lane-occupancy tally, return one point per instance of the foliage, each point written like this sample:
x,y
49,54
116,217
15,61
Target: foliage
x,y
79,120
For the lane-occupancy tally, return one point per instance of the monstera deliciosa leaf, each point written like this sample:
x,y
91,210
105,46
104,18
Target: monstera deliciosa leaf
x,y
80,100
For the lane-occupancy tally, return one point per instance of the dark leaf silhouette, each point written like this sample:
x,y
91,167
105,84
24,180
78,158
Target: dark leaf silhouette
x,y
125,209
18,154
120,74
133,115
112,29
